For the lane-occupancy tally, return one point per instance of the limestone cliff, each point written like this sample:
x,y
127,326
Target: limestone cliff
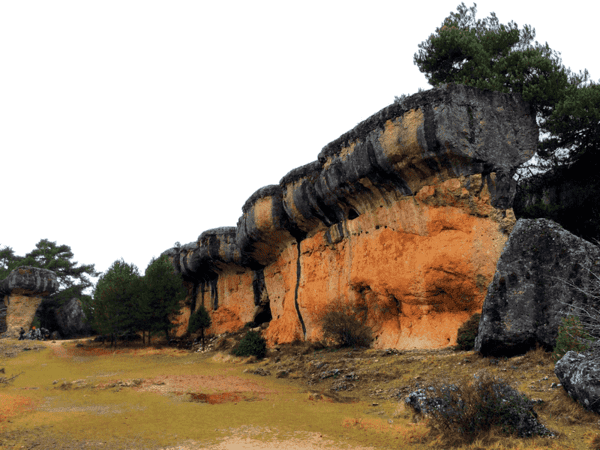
x,y
404,216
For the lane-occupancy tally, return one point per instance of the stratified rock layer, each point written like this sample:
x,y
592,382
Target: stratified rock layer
x,y
404,217
22,292
540,276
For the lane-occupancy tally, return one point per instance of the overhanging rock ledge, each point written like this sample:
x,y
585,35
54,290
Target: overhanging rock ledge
x,y
404,217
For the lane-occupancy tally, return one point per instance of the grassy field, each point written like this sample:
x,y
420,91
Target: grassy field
x,y
149,398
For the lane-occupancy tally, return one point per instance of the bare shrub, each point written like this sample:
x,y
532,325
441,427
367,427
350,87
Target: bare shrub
x,y
465,411
581,326
344,324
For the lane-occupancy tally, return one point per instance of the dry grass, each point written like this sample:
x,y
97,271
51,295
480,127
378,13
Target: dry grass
x,y
199,398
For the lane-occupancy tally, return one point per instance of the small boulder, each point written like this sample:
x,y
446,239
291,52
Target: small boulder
x,y
533,287
579,374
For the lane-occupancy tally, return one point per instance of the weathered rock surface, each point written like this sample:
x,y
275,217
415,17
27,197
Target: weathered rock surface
x,y
531,287
22,292
70,319
404,216
579,374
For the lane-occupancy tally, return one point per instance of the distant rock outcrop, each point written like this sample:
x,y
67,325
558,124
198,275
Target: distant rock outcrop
x,y
22,292
532,287
70,319
404,216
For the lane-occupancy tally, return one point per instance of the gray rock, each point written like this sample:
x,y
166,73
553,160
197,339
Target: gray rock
x,y
30,281
70,319
528,295
579,374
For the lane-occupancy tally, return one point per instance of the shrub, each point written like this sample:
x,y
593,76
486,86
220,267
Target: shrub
x,y
571,336
465,339
252,344
464,411
341,324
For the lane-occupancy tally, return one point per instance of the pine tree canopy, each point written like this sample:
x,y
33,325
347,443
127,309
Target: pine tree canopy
x,y
73,279
486,54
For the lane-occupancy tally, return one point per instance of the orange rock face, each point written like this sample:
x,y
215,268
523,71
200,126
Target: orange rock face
x,y
403,219
419,271
20,312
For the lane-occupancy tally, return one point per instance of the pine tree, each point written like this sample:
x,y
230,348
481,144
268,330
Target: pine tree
x,y
162,295
115,302
73,279
199,320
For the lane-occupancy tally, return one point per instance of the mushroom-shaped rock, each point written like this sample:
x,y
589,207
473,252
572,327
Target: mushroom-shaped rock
x,y
403,217
264,228
23,291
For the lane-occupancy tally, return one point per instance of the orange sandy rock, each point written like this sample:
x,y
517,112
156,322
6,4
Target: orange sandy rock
x,y
20,312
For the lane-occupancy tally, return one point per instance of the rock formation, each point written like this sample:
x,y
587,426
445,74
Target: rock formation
x,y
22,292
403,217
533,287
579,374
70,319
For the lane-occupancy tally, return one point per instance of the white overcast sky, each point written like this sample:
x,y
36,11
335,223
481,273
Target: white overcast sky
x,y
126,126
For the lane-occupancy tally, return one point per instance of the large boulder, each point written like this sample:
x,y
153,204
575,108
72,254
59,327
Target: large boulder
x,y
22,292
541,274
579,374
71,320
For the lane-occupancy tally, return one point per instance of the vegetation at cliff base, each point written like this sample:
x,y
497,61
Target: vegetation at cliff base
x,y
199,320
344,325
252,344
467,333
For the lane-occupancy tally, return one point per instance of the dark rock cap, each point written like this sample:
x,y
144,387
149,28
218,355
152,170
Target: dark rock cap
x,y
432,136
32,281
